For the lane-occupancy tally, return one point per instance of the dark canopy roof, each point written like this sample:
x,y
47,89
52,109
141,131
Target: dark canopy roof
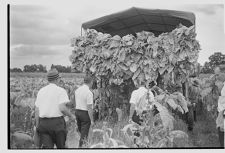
x,y
136,19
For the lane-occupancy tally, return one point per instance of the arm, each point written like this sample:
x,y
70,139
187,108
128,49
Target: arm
x,y
90,105
222,92
72,102
36,111
65,110
132,108
73,97
90,112
132,104
36,116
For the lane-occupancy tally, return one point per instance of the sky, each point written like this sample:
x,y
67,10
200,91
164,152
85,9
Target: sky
x,y
41,33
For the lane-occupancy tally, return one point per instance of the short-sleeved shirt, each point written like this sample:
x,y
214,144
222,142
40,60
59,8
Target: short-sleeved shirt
x,y
221,100
48,100
83,97
138,94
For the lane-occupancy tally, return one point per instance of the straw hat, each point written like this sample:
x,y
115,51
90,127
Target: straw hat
x,y
53,74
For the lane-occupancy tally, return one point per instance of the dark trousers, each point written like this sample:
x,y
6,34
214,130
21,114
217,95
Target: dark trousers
x,y
83,123
189,118
221,137
136,118
52,131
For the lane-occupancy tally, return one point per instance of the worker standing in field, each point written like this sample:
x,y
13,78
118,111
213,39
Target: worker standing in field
x,y
50,107
84,109
221,116
220,108
194,97
137,105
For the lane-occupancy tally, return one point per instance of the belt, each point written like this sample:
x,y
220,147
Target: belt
x,y
81,110
50,118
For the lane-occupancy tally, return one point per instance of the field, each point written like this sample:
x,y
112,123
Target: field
x,y
23,90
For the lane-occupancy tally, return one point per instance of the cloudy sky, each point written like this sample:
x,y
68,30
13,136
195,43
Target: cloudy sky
x,y
41,33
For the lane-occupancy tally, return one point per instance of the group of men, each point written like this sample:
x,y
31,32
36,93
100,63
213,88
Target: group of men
x,y
51,107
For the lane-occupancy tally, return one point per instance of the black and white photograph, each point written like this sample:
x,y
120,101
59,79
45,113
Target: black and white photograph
x,y
114,74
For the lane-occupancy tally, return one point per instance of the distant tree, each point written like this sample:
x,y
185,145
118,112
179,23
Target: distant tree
x,y
62,69
16,70
207,68
216,59
41,68
34,68
26,68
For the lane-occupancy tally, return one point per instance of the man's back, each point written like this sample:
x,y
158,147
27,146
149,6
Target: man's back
x,y
48,100
83,97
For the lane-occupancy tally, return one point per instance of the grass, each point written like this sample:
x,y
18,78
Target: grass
x,y
204,133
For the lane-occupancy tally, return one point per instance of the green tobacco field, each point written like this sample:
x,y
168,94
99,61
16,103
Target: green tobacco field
x,y
23,90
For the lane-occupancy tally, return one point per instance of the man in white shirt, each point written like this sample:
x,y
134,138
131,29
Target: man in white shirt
x,y
137,105
50,107
84,109
221,108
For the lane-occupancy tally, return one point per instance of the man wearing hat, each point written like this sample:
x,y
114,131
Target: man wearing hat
x,y
194,97
84,109
50,108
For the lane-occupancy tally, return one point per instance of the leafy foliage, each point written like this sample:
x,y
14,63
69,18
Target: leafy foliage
x,y
155,131
108,141
139,58
114,61
175,101
215,59
210,88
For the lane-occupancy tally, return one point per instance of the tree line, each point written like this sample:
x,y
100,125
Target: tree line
x,y
216,59
41,68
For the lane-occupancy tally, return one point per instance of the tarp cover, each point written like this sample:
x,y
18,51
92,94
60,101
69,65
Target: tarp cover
x,y
136,19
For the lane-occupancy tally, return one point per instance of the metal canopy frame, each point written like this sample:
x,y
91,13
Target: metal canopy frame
x,y
135,19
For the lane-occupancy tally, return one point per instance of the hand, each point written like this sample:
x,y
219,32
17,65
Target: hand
x,y
73,118
130,120
37,125
92,123
35,128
